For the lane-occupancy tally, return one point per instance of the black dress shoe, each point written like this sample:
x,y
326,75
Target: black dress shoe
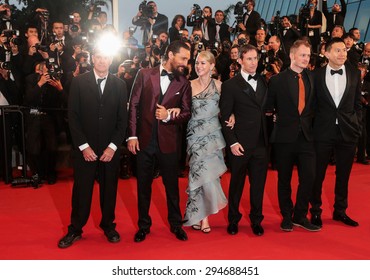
x,y
141,234
232,229
68,240
112,236
257,229
179,233
316,220
342,217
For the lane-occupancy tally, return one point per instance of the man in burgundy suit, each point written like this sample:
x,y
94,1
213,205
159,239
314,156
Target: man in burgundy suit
x,y
153,132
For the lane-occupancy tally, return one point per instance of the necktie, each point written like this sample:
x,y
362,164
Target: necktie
x,y
340,72
99,87
165,73
302,94
252,77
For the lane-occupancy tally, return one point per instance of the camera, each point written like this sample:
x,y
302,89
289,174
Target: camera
x,y
269,60
44,15
3,13
42,48
6,65
197,15
146,10
275,25
54,71
196,38
239,11
73,27
9,35
214,48
242,42
200,46
97,8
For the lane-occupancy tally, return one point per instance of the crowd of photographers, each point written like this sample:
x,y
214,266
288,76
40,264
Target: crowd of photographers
x,y
37,63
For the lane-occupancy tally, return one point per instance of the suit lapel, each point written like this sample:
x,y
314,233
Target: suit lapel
x,y
108,86
246,87
346,91
173,88
92,85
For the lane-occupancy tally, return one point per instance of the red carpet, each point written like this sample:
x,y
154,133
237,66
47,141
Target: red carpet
x,y
33,220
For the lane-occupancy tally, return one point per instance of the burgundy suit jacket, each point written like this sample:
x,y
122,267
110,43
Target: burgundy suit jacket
x,y
144,97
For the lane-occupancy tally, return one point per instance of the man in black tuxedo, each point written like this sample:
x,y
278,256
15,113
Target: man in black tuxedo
x,y
336,16
251,20
153,132
222,29
288,34
97,114
245,96
337,127
290,96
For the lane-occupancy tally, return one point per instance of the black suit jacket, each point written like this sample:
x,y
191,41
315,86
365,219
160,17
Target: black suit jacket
x,y
224,32
283,98
348,112
96,121
238,98
253,23
339,17
291,35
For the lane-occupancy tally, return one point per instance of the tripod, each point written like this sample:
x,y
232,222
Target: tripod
x,y
23,179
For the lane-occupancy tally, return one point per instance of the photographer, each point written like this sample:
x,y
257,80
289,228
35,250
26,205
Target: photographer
x,y
310,20
6,21
150,20
178,24
288,34
44,94
223,60
74,27
336,16
205,22
222,29
251,19
359,45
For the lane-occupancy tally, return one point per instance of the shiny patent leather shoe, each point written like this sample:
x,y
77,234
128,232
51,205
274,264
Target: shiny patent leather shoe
x,y
179,233
342,217
232,229
68,240
141,234
112,236
257,229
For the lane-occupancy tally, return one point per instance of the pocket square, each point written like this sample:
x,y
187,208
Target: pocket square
x,y
177,93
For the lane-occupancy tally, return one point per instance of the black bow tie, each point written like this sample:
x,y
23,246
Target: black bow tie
x,y
252,77
340,72
171,76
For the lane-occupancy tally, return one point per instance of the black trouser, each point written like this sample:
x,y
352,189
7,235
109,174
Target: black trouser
x,y
302,153
255,162
168,164
344,152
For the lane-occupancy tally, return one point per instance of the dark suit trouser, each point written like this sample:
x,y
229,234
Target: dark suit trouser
x,y
168,165
301,153
344,153
84,177
256,162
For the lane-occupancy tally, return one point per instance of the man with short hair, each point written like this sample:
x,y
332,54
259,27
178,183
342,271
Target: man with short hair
x,y
291,98
251,19
337,127
97,115
153,133
245,96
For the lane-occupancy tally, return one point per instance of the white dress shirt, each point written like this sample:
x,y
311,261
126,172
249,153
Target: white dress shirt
x,y
336,84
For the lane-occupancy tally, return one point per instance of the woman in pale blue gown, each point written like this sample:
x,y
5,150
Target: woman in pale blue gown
x,y
204,147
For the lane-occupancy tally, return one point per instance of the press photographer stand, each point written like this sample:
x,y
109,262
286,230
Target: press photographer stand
x,y
23,179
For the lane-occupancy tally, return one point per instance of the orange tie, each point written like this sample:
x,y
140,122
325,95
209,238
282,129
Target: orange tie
x,y
302,94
